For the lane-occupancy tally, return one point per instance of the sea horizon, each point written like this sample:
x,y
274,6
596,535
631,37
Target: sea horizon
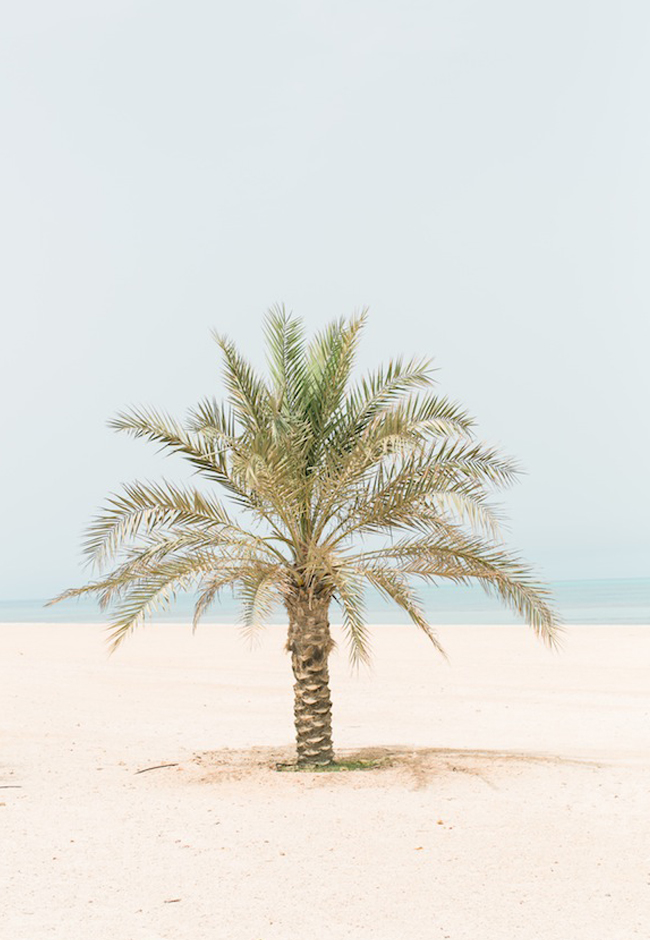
x,y
578,601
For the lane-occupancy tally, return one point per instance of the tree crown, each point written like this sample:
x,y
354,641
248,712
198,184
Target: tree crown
x,y
331,484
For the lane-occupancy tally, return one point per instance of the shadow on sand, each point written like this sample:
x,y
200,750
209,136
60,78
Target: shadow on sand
x,y
385,765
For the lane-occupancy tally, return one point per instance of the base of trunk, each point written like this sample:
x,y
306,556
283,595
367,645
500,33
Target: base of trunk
x,y
313,718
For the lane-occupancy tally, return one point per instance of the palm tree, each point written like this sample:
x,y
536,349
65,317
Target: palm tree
x,y
333,486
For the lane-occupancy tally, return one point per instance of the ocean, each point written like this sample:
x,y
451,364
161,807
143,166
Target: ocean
x,y
612,601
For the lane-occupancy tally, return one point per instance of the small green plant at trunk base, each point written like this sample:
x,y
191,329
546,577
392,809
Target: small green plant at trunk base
x,y
332,485
334,766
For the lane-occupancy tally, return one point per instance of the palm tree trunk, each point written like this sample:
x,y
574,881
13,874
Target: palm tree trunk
x,y
309,642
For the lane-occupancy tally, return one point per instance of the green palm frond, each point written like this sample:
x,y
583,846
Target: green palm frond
x,y
380,393
285,339
465,560
154,591
458,509
161,429
261,592
349,595
211,587
330,359
394,585
401,492
147,506
248,393
215,422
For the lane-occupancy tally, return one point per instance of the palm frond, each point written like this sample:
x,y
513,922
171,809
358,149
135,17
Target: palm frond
x,y
285,339
401,493
210,589
458,508
161,429
261,591
330,359
349,595
146,506
214,421
393,585
379,393
249,395
153,592
466,560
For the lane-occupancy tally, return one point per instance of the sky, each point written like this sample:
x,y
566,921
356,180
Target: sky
x,y
476,174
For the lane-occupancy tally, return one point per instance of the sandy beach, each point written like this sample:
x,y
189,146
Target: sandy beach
x,y
514,801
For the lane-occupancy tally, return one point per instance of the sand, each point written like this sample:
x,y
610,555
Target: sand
x,y
517,803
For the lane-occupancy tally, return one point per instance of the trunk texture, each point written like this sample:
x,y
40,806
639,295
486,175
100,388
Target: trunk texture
x,y
310,643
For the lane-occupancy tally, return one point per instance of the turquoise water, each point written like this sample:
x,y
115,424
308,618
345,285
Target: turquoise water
x,y
618,601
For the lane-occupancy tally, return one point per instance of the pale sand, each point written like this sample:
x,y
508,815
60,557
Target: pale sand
x,y
520,806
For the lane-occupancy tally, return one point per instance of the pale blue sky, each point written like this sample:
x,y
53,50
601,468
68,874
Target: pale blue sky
x,y
478,174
